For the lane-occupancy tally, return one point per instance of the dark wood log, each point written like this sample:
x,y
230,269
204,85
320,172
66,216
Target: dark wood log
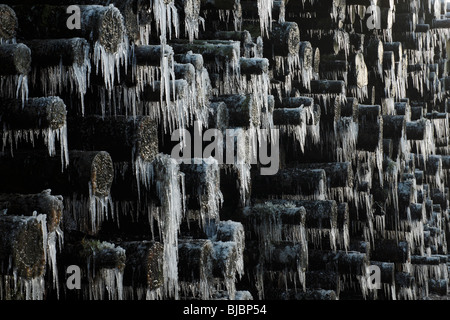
x,y
415,130
438,286
36,113
211,50
53,52
285,40
370,127
104,24
319,213
86,169
440,24
27,204
250,66
195,258
15,59
202,183
339,174
193,58
286,256
260,213
143,264
125,138
288,116
390,251
22,247
322,279
93,255
150,55
393,126
242,110
290,181
8,23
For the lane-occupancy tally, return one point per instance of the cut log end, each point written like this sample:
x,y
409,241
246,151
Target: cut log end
x,y
8,23
102,174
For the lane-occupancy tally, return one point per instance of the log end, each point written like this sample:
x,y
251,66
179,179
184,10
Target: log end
x,y
102,174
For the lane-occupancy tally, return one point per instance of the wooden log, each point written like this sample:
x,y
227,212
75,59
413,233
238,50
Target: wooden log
x,y
370,129
27,204
373,52
36,113
288,215
415,130
94,255
15,59
54,52
193,58
225,259
195,258
8,23
286,256
288,116
390,251
150,55
211,50
417,211
22,247
123,137
242,110
339,174
285,39
438,286
319,213
440,24
104,24
250,66
393,126
86,170
322,279
144,264
291,181
202,185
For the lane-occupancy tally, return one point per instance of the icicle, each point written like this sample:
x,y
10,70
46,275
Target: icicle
x,y
265,16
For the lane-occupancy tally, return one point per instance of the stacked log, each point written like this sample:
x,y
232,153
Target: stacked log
x,y
350,98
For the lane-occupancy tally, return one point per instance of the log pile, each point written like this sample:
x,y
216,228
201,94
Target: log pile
x,y
329,159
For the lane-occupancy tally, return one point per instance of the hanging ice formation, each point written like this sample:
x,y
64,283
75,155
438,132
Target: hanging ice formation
x,y
163,174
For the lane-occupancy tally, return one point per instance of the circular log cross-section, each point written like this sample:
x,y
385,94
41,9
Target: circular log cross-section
x,y
8,23
101,174
22,246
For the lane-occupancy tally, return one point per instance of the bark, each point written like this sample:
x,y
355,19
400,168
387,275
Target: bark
x,y
8,23
22,248
195,258
15,59
291,181
123,137
26,204
36,113
85,168
53,52
242,110
143,264
99,23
